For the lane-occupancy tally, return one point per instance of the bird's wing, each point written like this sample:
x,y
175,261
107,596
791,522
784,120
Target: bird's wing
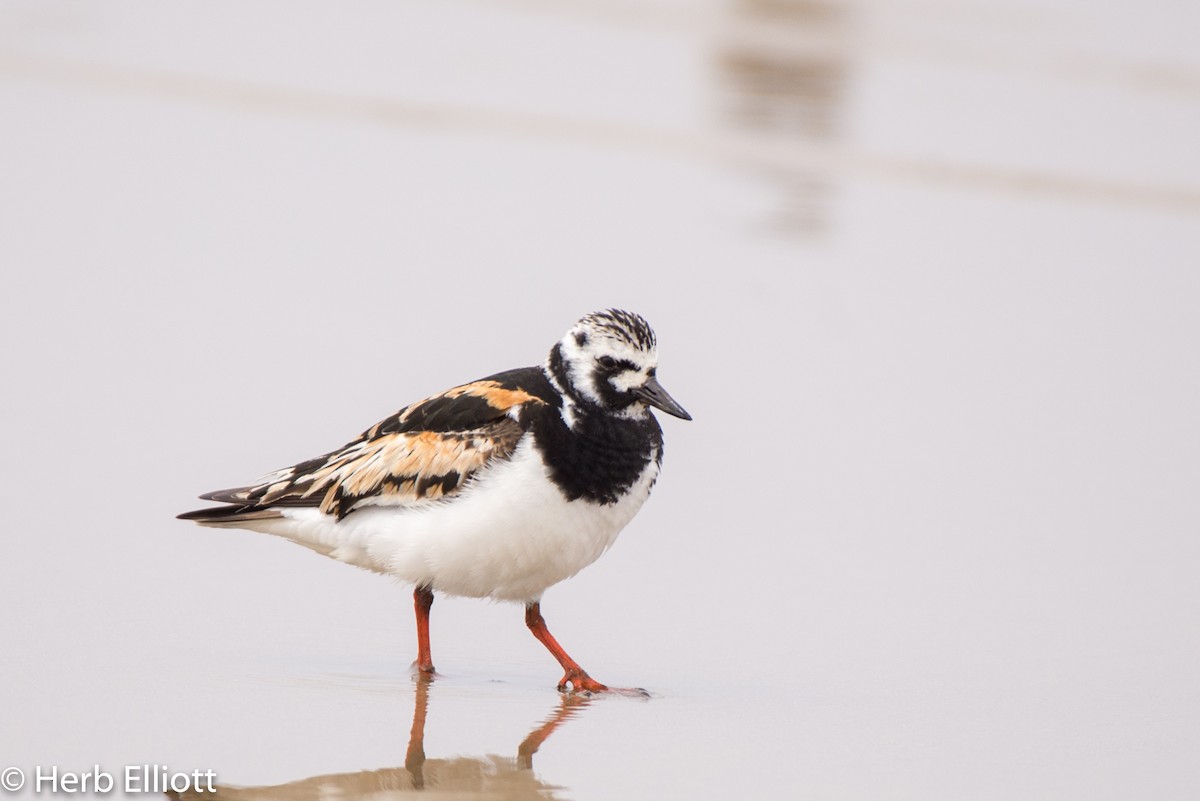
x,y
425,451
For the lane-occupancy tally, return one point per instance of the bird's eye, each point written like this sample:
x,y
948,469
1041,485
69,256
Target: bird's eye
x,y
607,362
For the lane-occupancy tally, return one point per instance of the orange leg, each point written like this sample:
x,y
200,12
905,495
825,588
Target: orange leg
x,y
422,600
576,676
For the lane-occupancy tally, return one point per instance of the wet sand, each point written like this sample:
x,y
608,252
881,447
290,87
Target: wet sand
x,y
924,275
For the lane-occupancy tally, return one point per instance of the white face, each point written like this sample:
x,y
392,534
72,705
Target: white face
x,y
604,368
608,360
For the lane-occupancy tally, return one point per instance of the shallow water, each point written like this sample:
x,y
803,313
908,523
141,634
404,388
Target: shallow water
x,y
924,273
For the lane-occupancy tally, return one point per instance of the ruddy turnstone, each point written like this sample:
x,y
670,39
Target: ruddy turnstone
x,y
499,488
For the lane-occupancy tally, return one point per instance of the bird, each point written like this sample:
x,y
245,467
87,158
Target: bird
x,y
495,489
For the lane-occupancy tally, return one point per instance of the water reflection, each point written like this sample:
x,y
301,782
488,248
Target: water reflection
x,y
489,777
784,68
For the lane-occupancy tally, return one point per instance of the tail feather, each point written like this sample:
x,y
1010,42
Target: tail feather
x,y
235,495
232,516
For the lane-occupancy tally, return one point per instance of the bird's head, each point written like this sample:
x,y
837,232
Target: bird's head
x,y
609,359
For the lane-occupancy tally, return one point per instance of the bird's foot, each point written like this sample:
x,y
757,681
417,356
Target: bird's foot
x,y
423,668
581,682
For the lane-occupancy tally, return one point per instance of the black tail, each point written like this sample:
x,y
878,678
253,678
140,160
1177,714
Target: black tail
x,y
214,513
231,516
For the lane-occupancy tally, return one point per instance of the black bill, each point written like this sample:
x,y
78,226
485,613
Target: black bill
x,y
653,393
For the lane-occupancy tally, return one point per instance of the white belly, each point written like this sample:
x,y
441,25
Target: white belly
x,y
509,535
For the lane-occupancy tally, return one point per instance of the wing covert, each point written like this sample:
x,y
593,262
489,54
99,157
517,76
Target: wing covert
x,y
426,451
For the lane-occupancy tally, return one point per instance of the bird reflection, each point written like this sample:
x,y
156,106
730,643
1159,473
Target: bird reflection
x,y
490,778
784,67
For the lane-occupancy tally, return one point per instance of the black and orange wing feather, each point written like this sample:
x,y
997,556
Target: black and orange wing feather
x,y
426,451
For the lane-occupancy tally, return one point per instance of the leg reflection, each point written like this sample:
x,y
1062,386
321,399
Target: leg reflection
x,y
414,758
569,707
414,761
479,777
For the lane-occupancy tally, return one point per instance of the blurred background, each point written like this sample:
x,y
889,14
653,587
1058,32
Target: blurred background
x,y
924,272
